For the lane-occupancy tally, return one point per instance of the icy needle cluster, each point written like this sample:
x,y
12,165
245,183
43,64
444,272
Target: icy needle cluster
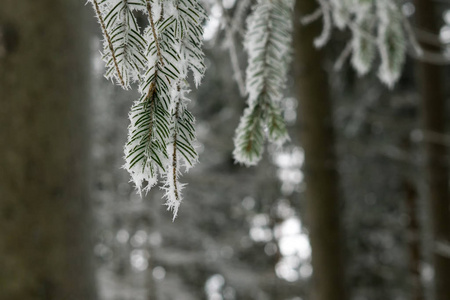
x,y
159,57
268,44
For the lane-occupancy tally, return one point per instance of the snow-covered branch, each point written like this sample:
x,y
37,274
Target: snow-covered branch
x,y
161,133
268,43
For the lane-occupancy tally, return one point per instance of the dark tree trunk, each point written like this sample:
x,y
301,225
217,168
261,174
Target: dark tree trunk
x,y
414,241
433,108
317,140
411,203
45,250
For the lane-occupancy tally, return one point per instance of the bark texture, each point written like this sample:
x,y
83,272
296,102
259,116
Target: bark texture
x,y
433,109
317,140
45,221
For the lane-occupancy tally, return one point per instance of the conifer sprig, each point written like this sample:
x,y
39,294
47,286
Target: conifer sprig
x,y
180,148
268,43
161,132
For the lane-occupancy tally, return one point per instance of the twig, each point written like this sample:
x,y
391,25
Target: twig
x,y
343,57
152,25
174,155
232,50
306,20
239,15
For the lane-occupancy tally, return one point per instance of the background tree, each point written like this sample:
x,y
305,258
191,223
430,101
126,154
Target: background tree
x,y
317,140
45,223
432,89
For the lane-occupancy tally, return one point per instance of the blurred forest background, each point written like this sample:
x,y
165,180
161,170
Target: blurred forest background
x,y
362,187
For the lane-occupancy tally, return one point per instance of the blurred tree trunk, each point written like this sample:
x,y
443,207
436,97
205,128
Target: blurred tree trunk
x,y
317,140
433,109
414,241
45,250
411,203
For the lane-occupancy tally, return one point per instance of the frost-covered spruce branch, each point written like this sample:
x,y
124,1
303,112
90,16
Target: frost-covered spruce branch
x,y
188,31
161,132
268,43
376,26
163,139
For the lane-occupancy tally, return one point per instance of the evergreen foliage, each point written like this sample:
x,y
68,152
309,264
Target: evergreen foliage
x,y
374,25
161,134
160,56
268,43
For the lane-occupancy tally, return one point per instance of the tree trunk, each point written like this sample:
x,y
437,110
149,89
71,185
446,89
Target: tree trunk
x,y
45,250
433,108
317,140
411,203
